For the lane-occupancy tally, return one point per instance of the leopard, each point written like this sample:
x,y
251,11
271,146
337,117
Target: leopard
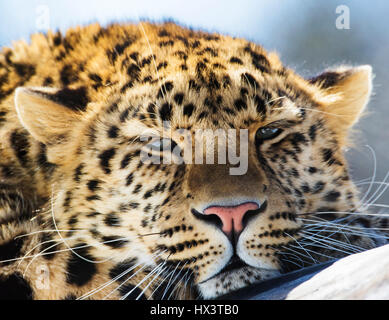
x,y
85,213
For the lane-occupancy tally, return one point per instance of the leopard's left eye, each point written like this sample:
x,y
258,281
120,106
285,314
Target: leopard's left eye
x,y
267,133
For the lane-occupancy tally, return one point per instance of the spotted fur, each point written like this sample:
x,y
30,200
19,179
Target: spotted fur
x,y
81,216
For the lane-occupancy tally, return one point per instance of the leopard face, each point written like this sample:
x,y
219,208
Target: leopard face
x,y
214,230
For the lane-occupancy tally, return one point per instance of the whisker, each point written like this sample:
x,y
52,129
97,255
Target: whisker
x,y
323,239
300,246
332,224
185,286
156,269
45,231
58,241
129,278
184,281
345,225
152,55
60,235
367,180
380,206
168,285
36,246
276,99
371,182
178,283
291,254
36,256
62,250
150,283
94,291
32,256
380,192
162,282
310,109
316,252
294,262
342,212
298,253
337,228
149,234
328,244
373,177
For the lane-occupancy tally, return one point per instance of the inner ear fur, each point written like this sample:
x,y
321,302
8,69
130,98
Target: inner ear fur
x,y
47,119
346,92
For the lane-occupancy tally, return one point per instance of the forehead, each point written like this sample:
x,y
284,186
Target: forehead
x,y
194,79
237,106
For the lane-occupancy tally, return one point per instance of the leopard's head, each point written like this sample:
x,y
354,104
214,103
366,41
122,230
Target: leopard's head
x,y
136,179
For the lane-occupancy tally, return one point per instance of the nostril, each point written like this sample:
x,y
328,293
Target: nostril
x,y
251,214
211,218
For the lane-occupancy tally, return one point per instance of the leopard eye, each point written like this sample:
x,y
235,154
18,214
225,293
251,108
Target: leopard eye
x,y
163,144
267,133
155,144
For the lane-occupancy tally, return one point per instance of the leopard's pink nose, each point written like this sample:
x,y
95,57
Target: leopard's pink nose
x,y
231,217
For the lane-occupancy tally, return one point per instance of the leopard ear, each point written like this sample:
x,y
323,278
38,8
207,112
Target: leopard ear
x,y
346,92
50,115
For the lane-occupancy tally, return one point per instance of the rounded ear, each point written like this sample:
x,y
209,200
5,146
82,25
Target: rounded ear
x,y
48,116
347,91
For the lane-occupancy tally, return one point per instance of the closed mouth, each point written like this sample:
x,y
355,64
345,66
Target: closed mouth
x,y
235,263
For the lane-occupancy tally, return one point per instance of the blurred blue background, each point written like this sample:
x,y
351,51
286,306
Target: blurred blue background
x,y
303,32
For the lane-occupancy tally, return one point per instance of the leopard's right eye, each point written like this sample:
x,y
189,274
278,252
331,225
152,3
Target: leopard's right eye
x,y
162,144
266,133
155,144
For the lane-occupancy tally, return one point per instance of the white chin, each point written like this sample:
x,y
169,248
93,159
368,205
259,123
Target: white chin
x,y
233,280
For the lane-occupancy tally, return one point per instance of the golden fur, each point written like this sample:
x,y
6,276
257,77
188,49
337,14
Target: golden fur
x,y
71,111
